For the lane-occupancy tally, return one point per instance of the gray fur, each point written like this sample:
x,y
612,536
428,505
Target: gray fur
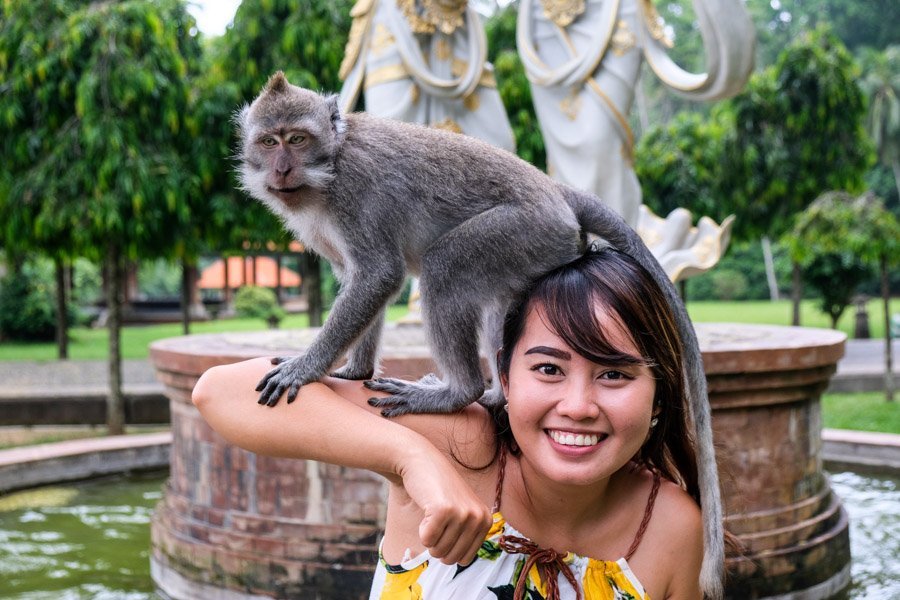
x,y
380,199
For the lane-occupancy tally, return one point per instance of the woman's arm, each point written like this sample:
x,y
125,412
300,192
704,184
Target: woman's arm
x,y
322,425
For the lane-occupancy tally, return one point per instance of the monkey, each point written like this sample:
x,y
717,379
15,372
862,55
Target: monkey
x,y
380,199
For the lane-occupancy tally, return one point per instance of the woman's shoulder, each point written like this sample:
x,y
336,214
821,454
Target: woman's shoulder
x,y
671,550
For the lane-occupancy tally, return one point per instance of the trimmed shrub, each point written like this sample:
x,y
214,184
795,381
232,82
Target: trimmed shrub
x,y
27,307
258,303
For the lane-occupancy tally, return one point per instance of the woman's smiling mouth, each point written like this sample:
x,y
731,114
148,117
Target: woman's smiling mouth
x,y
568,438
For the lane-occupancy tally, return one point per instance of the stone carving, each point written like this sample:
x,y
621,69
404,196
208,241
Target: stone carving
x,y
424,61
583,73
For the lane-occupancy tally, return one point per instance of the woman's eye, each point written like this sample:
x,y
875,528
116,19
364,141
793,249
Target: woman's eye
x,y
297,139
269,142
613,375
547,369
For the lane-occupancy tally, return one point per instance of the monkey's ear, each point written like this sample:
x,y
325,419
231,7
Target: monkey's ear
x,y
338,124
277,83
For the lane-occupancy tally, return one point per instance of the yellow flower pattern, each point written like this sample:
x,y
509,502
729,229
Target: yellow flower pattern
x,y
492,576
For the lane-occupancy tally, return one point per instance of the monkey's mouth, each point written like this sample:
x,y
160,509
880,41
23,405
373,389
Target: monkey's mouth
x,y
287,190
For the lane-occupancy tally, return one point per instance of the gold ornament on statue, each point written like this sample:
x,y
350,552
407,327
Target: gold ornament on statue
x,y
656,25
428,16
563,12
623,39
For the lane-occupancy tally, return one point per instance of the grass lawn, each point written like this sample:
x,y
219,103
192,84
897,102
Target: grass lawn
x,y
865,411
92,344
779,313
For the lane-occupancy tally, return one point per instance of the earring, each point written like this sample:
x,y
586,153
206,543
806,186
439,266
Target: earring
x,y
653,422
506,407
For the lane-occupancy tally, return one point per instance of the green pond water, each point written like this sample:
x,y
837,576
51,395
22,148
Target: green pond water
x,y
91,540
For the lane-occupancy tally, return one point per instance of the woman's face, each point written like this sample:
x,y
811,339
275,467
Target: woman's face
x,y
576,421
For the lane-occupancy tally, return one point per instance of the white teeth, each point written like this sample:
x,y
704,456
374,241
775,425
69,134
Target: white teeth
x,y
571,439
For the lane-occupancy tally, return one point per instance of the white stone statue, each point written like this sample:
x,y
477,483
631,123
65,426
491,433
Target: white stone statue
x,y
583,58
424,61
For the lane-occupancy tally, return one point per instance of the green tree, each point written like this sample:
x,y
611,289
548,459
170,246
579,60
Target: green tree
x,y
798,131
871,23
678,166
25,31
856,232
513,86
881,83
94,136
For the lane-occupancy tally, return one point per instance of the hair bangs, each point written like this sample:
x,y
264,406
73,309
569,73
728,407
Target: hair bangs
x,y
569,300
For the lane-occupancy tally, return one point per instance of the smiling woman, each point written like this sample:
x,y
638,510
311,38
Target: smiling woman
x,y
583,483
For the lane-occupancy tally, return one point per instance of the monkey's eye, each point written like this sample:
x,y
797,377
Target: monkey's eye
x,y
297,138
269,142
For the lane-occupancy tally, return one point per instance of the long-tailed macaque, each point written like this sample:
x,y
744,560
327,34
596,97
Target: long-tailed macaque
x,y
380,199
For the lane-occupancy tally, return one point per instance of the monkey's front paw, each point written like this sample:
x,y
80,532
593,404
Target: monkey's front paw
x,y
428,395
289,376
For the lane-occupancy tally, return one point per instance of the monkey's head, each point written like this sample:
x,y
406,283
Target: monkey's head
x,y
288,139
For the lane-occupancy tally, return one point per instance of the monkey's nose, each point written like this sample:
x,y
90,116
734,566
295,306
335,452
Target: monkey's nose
x,y
283,172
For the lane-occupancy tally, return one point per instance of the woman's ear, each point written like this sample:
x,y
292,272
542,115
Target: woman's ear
x,y
504,377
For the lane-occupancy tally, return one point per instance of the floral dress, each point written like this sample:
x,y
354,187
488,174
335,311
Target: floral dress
x,y
509,566
496,571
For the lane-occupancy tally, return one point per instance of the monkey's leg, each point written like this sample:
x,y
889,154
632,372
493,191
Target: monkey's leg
x,y
453,329
355,310
363,356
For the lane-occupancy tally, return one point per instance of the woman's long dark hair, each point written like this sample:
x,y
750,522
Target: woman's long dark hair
x,y
567,297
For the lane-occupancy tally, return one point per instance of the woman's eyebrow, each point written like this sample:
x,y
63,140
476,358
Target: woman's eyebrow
x,y
554,352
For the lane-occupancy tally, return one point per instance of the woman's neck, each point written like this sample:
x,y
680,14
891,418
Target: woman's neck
x,y
554,514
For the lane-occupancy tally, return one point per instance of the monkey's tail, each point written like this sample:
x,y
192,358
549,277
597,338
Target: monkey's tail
x,y
600,220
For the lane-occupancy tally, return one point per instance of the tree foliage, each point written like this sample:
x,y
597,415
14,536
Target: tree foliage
x,y
838,240
798,131
871,23
678,165
95,99
94,102
881,83
515,91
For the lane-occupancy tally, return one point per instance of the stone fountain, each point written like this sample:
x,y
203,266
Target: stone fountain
x,y
236,525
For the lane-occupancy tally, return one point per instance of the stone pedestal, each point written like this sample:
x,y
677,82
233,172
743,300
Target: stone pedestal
x,y
236,525
764,388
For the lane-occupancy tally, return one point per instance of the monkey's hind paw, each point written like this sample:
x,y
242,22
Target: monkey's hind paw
x,y
428,395
346,372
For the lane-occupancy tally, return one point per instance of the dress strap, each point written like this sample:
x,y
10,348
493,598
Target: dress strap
x,y
648,512
500,475
550,564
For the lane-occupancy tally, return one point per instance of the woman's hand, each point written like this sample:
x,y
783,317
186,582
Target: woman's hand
x,y
455,519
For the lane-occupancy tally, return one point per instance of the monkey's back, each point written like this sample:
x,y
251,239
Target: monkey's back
x,y
442,178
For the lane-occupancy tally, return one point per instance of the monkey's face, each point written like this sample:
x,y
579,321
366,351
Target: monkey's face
x,y
288,139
